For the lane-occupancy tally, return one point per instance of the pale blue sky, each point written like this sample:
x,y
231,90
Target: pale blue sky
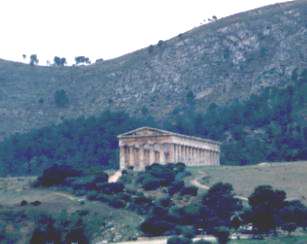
x,y
102,28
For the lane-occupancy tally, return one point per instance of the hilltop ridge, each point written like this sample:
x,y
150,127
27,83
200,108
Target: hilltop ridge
x,y
228,59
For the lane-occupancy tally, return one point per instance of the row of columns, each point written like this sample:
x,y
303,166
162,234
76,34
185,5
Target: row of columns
x,y
141,156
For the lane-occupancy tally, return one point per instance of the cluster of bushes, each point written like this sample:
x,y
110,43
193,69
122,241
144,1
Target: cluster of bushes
x,y
219,213
217,207
56,175
169,175
61,228
269,210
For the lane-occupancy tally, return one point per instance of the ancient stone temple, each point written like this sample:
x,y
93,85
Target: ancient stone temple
x,y
145,146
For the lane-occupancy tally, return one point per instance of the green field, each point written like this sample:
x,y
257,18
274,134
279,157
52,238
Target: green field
x,y
102,220
290,177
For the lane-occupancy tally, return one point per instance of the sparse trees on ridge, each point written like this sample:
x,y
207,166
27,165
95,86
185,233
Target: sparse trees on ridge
x,y
82,60
33,59
59,61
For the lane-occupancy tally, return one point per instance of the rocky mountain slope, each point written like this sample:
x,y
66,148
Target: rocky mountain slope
x,y
231,58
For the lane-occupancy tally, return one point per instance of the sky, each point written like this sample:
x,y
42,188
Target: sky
x,y
102,28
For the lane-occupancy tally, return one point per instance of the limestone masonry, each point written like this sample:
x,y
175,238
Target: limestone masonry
x,y
145,146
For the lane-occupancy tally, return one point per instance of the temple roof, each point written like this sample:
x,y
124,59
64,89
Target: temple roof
x,y
148,131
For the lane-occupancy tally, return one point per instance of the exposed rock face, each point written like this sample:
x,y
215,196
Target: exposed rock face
x,y
231,58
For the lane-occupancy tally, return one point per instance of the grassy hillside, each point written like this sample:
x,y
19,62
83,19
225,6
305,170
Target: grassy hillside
x,y
290,177
233,57
99,219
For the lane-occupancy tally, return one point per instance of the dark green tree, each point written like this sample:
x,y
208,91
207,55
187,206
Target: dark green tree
x,y
33,59
221,201
266,204
59,61
61,99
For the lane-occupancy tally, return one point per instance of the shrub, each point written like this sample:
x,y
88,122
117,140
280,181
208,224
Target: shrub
x,y
116,202
56,175
76,235
186,231
164,201
36,203
189,190
175,187
179,240
156,226
45,234
101,178
162,172
180,167
23,203
61,99
112,188
151,183
222,234
289,227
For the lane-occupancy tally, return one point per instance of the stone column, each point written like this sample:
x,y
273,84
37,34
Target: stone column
x,y
206,157
202,157
193,156
184,154
172,153
217,158
200,162
180,153
162,158
190,155
196,156
131,156
175,153
151,155
136,156
141,158
122,157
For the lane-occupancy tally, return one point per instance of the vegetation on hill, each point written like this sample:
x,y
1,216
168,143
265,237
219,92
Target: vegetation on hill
x,y
155,211
227,59
82,143
270,126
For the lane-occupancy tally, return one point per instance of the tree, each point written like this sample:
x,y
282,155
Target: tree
x,y
56,175
59,61
190,97
179,240
82,60
61,99
289,227
265,206
220,199
222,234
293,212
33,59
155,226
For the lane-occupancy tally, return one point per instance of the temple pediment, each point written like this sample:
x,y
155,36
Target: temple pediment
x,y
145,131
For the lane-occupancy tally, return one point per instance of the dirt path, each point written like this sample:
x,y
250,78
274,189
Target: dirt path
x,y
69,196
163,240
196,183
114,178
